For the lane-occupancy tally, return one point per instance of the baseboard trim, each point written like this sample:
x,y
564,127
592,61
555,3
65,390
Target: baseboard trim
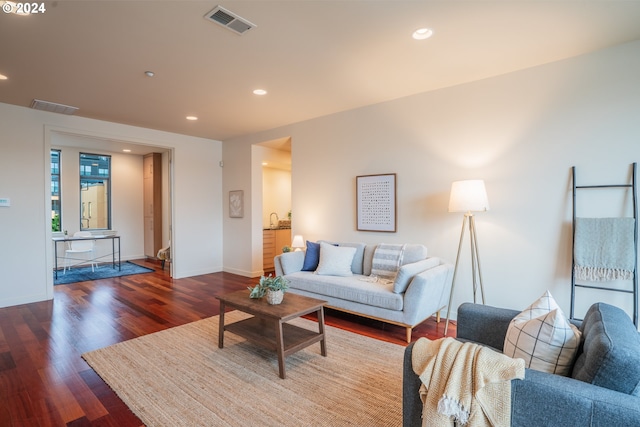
x,y
242,272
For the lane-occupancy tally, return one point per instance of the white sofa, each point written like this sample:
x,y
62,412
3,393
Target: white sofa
x,y
420,289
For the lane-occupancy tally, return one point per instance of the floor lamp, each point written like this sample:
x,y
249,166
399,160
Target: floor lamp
x,y
468,197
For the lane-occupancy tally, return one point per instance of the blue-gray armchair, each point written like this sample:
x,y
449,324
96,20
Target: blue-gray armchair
x,y
603,390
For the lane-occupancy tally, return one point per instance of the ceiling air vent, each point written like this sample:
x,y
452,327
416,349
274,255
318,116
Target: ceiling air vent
x,y
38,104
229,20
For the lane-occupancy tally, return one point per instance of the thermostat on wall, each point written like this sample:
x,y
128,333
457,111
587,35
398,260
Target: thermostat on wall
x,y
5,202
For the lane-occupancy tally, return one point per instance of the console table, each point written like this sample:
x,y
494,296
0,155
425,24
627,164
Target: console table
x,y
113,239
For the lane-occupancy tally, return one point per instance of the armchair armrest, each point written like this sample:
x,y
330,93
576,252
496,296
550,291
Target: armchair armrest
x,y
411,403
544,399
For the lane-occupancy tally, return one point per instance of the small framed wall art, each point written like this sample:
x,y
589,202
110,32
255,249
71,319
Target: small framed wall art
x,y
236,204
376,202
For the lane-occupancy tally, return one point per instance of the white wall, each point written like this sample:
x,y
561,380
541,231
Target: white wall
x,y
166,199
276,194
26,259
520,132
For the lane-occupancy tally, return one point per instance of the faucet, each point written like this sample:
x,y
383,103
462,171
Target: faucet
x,y
271,223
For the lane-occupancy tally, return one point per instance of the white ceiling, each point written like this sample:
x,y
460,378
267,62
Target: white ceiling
x,y
313,57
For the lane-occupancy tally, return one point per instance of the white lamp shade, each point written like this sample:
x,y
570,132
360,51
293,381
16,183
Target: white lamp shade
x,y
298,241
469,195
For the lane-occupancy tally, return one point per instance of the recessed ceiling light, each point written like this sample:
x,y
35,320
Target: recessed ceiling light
x,y
259,92
149,73
3,77
126,150
422,33
265,163
192,118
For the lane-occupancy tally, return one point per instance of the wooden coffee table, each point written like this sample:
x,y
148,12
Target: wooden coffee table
x,y
268,327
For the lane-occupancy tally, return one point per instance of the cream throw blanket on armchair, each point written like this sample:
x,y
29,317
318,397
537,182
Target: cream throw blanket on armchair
x,y
465,383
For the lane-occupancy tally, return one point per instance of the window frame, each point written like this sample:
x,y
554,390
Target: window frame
x,y
56,172
86,176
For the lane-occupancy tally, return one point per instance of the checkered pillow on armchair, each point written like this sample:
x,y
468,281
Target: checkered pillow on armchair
x,y
543,337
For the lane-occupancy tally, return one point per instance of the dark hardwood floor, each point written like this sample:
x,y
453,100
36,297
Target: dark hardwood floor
x,y
45,382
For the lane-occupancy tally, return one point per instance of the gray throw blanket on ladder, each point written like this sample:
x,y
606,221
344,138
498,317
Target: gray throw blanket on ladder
x,y
604,249
387,260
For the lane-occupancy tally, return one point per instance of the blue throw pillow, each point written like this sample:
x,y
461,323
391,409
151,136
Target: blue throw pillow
x,y
311,257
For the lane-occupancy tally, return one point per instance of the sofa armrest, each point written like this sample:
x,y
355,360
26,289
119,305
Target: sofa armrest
x,y
277,266
427,293
288,262
484,324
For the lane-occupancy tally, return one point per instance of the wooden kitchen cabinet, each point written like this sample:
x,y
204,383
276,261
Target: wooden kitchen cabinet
x,y
283,238
272,243
268,249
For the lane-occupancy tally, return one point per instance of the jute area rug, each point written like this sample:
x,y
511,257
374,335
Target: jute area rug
x,y
179,377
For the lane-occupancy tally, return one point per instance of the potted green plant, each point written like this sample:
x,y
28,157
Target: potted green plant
x,y
55,223
273,287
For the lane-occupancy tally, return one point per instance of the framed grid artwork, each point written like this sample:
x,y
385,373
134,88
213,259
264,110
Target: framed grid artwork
x,y
376,202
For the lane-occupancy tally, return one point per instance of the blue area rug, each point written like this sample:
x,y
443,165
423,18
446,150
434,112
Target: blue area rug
x,y
104,271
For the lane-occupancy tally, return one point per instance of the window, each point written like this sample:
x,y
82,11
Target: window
x,y
95,195
56,209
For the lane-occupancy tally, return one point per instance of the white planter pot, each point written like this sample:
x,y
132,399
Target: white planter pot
x,y
274,297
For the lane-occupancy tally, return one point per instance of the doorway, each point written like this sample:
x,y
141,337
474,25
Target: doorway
x,y
126,187
275,198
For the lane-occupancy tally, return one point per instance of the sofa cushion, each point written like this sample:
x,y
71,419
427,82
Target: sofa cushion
x,y
356,264
543,337
367,259
408,271
413,253
335,260
611,350
356,288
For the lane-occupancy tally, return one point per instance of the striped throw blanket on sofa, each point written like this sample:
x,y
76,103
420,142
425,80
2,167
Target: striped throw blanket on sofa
x,y
387,260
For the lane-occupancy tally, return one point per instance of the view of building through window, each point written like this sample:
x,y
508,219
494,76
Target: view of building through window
x,y
95,175
56,211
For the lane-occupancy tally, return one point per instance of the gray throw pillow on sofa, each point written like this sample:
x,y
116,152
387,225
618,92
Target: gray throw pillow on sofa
x,y
611,350
408,271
